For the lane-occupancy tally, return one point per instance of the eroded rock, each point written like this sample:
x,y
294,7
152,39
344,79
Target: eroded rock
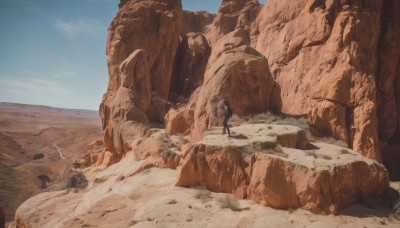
x,y
232,15
332,64
141,48
322,180
196,22
191,62
238,73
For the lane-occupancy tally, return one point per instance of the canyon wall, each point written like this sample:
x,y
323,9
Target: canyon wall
x,y
336,61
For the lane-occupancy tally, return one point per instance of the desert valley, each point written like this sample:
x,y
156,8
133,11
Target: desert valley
x,y
39,144
315,135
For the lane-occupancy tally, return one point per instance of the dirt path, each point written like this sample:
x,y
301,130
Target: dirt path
x,y
58,148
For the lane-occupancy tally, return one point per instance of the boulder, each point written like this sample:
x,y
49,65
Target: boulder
x,y
238,73
296,140
158,149
179,121
322,180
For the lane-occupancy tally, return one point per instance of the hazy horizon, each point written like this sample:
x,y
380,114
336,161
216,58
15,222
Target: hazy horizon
x,y
53,51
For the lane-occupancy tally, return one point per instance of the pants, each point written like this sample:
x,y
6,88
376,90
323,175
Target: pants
x,y
225,123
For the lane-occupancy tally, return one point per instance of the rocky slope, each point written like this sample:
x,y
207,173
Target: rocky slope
x,y
249,165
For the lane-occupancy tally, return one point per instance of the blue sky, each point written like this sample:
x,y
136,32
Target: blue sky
x,y
53,51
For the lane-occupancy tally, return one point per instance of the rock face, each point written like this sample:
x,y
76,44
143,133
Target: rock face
x,y
332,63
322,181
238,73
141,48
196,22
190,65
232,15
329,48
388,87
336,61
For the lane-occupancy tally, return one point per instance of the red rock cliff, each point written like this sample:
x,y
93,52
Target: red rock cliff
x,y
338,62
335,60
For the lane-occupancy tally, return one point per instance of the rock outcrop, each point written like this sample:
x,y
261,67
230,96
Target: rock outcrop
x,y
323,55
338,62
141,48
232,15
322,180
196,22
179,121
238,73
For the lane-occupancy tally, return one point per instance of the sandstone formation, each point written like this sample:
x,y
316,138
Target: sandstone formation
x,y
238,73
338,62
232,15
141,48
326,59
179,120
196,22
191,61
325,64
322,180
150,199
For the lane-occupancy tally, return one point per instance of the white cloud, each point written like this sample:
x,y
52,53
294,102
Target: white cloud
x,y
33,88
75,27
54,73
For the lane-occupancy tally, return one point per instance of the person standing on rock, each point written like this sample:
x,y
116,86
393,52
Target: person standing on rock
x,y
226,116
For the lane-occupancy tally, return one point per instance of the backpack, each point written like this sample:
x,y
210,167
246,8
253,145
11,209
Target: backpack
x,y
230,112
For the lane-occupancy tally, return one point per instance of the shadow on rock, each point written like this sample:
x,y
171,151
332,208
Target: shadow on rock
x,y
239,136
387,207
